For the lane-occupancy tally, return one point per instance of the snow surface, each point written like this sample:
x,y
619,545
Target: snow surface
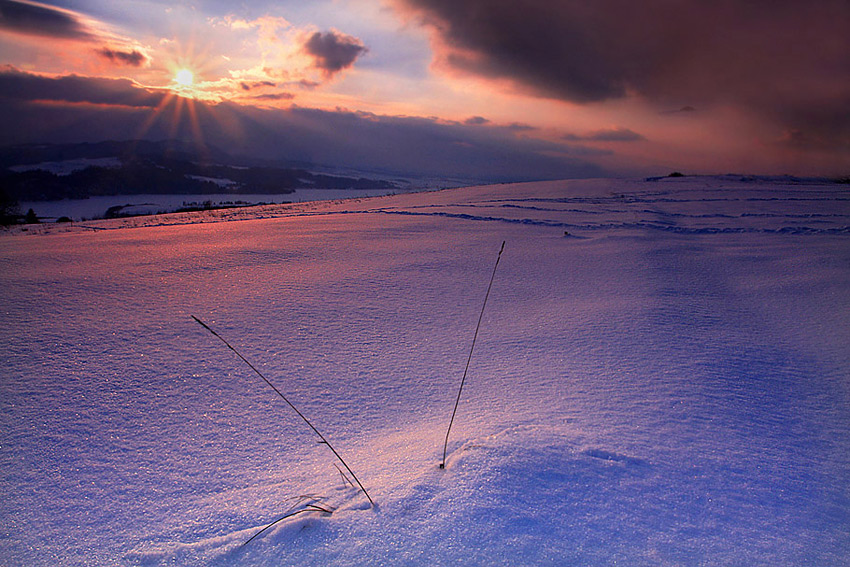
x,y
666,384
96,207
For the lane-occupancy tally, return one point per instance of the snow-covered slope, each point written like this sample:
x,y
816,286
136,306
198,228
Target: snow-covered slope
x,y
660,379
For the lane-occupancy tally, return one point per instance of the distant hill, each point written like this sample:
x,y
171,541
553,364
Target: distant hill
x,y
78,171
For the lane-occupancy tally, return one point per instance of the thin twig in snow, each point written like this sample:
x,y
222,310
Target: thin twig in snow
x,y
465,370
301,415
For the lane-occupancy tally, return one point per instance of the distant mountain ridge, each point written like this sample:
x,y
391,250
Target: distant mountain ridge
x,y
30,154
164,167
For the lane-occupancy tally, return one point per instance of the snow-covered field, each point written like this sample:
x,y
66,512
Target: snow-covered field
x,y
665,384
96,207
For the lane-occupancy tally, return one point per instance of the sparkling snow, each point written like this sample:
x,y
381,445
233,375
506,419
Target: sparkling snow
x,y
661,378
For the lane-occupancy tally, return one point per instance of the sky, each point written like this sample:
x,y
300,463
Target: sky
x,y
483,89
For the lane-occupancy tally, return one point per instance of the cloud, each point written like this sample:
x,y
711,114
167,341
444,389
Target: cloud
x,y
592,51
520,127
333,51
682,110
554,48
822,124
606,135
396,145
38,19
133,58
476,120
420,146
274,96
245,86
27,87
773,59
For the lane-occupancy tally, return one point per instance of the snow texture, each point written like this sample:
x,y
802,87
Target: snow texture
x,y
660,379
96,207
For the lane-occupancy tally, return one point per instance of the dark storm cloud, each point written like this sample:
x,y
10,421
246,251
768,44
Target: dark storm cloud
x,y
26,87
591,51
37,19
333,51
132,58
773,58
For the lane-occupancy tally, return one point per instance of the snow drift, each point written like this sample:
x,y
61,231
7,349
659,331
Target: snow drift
x,y
660,379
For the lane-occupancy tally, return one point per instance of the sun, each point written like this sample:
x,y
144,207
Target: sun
x,y
184,78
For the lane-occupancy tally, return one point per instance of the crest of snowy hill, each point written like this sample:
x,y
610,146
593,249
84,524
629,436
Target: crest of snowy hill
x,y
659,379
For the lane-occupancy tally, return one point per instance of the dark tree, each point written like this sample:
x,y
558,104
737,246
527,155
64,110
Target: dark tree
x,y
9,211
